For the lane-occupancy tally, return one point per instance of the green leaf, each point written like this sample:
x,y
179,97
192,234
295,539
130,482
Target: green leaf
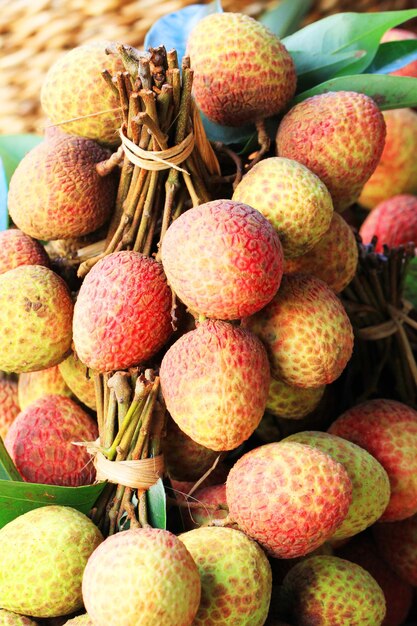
x,y
13,148
410,285
325,67
8,470
341,33
4,215
227,134
393,55
17,498
157,506
389,92
285,18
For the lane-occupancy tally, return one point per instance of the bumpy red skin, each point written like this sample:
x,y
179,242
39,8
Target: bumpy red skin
x,y
289,497
306,331
123,312
339,136
235,89
388,430
17,248
398,594
393,221
202,516
397,544
333,259
215,382
56,191
401,34
223,259
40,441
9,405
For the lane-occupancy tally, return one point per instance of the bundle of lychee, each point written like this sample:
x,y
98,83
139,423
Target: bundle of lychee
x,y
172,314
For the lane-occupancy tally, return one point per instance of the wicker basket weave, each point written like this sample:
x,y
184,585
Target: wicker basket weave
x,y
34,33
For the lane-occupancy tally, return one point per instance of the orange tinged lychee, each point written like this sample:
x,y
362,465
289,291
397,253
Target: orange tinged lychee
x,y
35,385
17,248
393,221
9,404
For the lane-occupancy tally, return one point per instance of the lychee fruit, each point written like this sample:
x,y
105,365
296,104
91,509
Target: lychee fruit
x,y
35,385
370,484
223,259
43,578
292,402
339,136
122,316
235,89
7,618
235,574
397,544
306,331
401,34
17,248
162,589
388,430
41,442
56,191
293,200
79,379
80,620
215,382
288,496
333,259
393,221
205,514
396,172
74,89
36,319
327,590
9,404
398,594
185,459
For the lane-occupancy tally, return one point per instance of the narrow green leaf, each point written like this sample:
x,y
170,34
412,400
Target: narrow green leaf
x,y
157,507
285,18
8,470
17,498
389,92
325,67
345,32
393,55
13,148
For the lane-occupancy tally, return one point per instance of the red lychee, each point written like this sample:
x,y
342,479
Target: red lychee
x,y
17,248
393,221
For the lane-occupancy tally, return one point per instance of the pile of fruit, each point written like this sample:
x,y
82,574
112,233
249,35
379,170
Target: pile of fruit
x,y
183,323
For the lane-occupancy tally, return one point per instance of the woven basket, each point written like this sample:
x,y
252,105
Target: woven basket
x,y
34,33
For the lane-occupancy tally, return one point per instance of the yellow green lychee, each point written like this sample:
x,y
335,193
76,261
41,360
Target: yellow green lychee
x,y
292,402
80,379
35,385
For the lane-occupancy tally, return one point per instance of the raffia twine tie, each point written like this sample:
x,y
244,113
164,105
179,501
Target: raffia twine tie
x,y
140,474
158,160
391,326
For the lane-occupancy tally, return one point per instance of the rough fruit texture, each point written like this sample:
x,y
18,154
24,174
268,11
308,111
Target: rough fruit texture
x,y
82,67
80,620
35,385
292,402
306,331
339,136
293,200
17,248
13,619
397,543
396,172
9,405
184,458
162,589
122,316
398,594
223,259
288,496
235,574
35,317
56,191
41,442
79,379
235,89
401,34
393,221
388,430
208,497
215,382
327,590
55,543
370,483
333,259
